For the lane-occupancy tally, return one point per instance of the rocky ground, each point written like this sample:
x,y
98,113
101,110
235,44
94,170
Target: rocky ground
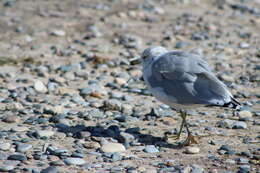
x,y
71,102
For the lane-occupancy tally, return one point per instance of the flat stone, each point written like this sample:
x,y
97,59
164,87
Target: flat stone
x,y
239,125
50,169
227,78
6,168
192,150
196,169
58,33
226,123
151,149
12,119
245,114
113,147
40,87
45,133
19,129
74,161
5,146
23,147
19,157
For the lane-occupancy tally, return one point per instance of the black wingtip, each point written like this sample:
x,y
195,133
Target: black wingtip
x,y
234,104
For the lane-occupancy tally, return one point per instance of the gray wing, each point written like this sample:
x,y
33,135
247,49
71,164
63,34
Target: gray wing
x,y
188,79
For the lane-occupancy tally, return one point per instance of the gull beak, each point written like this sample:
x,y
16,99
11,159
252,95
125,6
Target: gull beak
x,y
135,61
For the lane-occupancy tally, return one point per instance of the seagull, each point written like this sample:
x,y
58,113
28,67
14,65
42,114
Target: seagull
x,y
183,81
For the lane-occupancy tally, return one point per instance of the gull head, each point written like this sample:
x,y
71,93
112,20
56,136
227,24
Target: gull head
x,y
149,54
153,52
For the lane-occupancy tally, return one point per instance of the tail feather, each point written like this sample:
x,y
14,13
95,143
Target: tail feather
x,y
232,104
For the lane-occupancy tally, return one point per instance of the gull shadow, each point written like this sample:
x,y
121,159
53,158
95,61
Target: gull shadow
x,y
114,131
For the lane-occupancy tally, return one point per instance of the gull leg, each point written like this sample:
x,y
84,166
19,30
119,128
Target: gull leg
x,y
183,116
190,138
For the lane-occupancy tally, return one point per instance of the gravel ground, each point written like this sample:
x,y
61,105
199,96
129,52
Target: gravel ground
x,y
70,101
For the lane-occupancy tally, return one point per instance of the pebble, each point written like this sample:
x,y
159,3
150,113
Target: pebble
x,y
6,168
245,114
244,45
192,150
19,129
151,149
5,146
40,87
196,169
112,147
226,123
50,169
23,147
58,33
239,125
12,119
44,133
19,157
74,161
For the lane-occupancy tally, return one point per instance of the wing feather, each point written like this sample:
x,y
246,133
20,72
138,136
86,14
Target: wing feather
x,y
189,79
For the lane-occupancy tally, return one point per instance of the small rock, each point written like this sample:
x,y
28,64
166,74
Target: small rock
x,y
196,169
6,168
19,129
242,160
192,150
113,147
244,45
227,78
239,125
12,119
40,87
91,145
151,149
116,157
23,147
5,146
44,133
74,161
244,169
126,137
244,114
225,123
50,169
113,104
58,33
19,157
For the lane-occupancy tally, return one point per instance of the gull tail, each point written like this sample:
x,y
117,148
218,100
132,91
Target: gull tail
x,y
234,104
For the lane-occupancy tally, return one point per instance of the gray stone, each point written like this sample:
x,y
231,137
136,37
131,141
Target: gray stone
x,y
151,149
74,161
19,157
50,169
192,150
239,125
5,146
6,168
23,147
225,123
40,87
58,33
44,133
196,169
112,147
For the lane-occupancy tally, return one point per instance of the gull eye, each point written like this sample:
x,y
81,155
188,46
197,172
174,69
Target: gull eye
x,y
145,56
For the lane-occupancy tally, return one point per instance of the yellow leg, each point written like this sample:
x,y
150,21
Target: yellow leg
x,y
183,116
190,138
